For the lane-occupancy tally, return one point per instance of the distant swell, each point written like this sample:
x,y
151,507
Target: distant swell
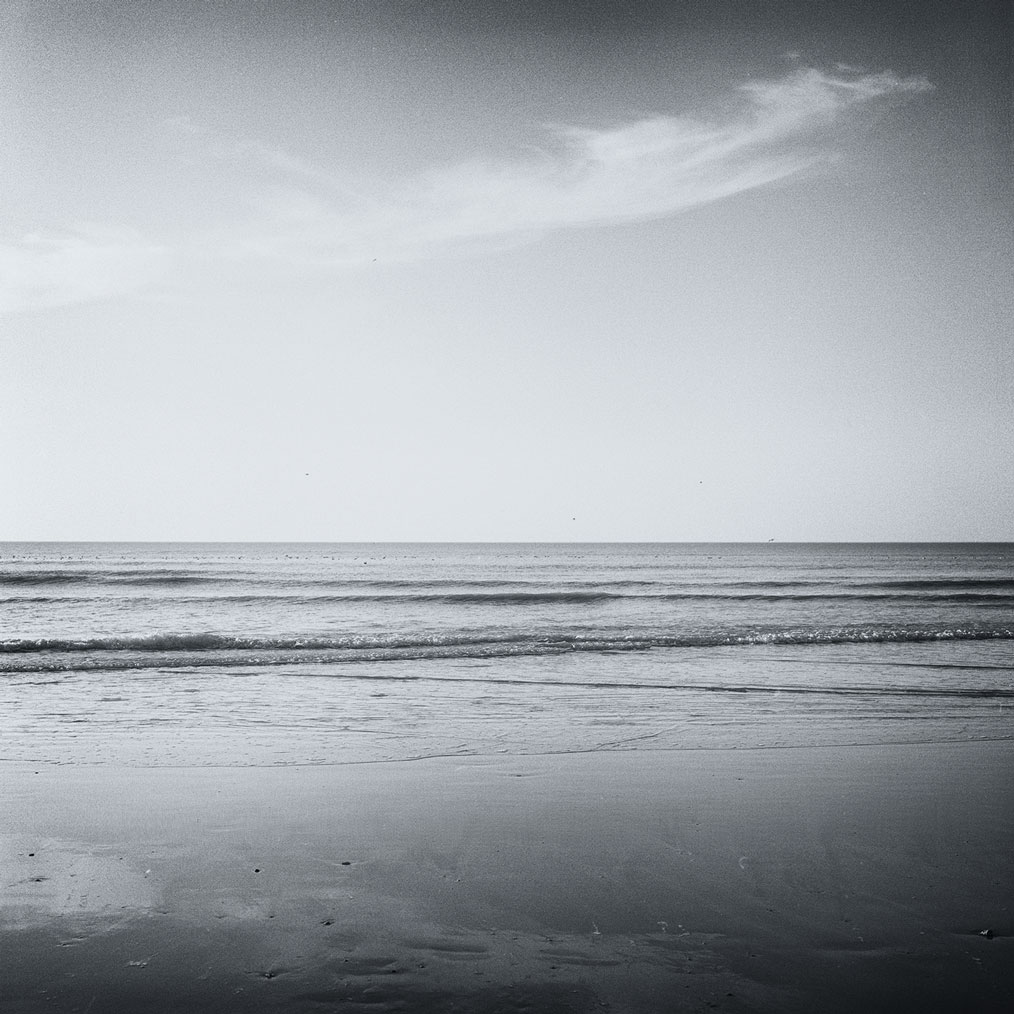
x,y
143,578
987,591
525,598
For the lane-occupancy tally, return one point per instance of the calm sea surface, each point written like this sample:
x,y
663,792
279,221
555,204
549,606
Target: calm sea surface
x,y
312,653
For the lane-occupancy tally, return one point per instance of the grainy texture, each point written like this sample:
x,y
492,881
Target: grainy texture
x,y
833,879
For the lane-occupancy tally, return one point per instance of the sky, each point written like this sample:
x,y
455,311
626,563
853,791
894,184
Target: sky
x,y
413,270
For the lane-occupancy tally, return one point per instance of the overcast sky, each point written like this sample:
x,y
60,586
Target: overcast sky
x,y
534,271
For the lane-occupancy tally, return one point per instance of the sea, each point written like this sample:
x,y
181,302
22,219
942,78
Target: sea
x,y
263,654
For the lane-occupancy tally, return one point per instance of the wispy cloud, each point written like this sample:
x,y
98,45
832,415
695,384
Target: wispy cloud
x,y
90,263
303,214
647,169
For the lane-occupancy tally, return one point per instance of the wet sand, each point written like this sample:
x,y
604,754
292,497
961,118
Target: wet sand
x,y
831,879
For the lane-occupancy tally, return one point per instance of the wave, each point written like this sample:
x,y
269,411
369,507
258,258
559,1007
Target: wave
x,y
1004,583
578,597
38,600
547,643
264,588
223,642
124,577
907,584
525,598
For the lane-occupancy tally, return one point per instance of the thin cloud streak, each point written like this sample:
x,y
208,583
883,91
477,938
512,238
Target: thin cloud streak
x,y
644,170
297,213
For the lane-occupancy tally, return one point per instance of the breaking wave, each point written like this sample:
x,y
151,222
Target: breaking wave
x,y
468,644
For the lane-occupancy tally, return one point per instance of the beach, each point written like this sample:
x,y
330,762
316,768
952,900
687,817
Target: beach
x,y
499,778
504,507
797,879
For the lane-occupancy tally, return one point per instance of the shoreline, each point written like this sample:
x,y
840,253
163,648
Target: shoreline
x,y
763,879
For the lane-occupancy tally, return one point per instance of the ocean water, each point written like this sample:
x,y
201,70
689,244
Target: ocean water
x,y
313,653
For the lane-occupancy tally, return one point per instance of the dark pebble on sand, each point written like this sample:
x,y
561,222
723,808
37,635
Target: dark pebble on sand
x,y
346,862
